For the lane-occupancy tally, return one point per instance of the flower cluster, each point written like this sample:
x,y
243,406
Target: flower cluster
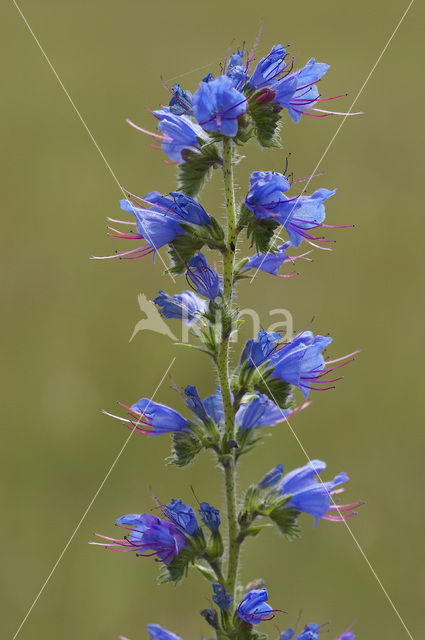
x,y
273,376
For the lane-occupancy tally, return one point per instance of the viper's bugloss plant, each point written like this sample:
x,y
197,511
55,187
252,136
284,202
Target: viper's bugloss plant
x,y
272,378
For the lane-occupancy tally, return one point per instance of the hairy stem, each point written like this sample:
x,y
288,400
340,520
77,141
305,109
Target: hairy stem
x,y
223,370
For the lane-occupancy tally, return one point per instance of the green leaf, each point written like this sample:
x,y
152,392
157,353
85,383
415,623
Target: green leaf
x,y
178,567
259,232
266,119
255,530
206,572
196,167
286,519
274,388
184,448
182,249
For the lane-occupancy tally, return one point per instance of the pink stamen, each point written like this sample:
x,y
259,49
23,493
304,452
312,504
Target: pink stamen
x,y
121,221
336,113
343,95
150,133
315,175
343,357
250,58
120,254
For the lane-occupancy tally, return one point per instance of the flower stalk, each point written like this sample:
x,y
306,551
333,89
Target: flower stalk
x,y
199,133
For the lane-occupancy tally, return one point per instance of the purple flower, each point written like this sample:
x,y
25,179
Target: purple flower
x,y
266,193
312,496
210,516
312,631
217,106
205,280
186,306
269,68
158,633
272,261
183,516
177,132
221,598
158,220
300,362
237,70
271,478
181,102
149,536
152,418
258,350
299,217
297,91
299,214
254,608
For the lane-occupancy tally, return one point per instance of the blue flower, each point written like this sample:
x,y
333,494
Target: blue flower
x,y
254,608
237,70
271,261
156,227
269,68
311,632
154,418
221,598
259,412
266,193
181,102
158,633
183,516
297,91
271,478
217,105
258,350
179,132
186,306
159,222
205,280
210,516
299,217
300,362
308,493
195,403
214,406
149,535
179,207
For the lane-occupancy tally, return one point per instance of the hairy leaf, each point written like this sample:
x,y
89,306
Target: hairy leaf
x,y
196,168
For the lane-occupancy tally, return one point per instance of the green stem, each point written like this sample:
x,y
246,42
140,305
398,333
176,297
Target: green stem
x,y
228,460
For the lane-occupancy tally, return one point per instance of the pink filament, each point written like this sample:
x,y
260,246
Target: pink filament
x,y
150,133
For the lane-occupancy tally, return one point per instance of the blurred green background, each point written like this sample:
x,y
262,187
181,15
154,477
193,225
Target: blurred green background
x,y
66,321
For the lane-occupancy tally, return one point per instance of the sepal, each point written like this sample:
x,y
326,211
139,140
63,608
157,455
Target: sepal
x,y
286,518
259,232
196,167
178,567
185,446
182,249
215,547
265,115
279,391
206,572
211,616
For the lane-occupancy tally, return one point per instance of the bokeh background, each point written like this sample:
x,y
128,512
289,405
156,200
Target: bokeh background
x,y
66,321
